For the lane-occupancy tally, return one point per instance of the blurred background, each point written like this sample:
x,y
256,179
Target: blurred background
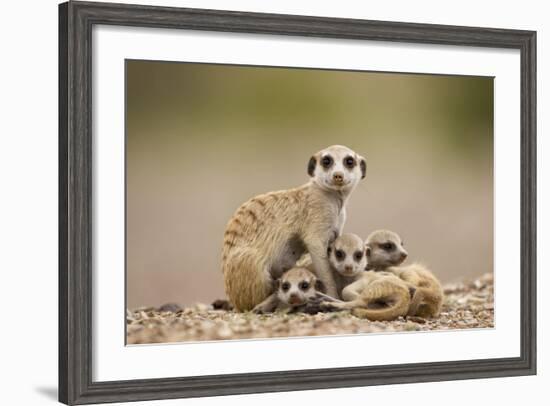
x,y
202,139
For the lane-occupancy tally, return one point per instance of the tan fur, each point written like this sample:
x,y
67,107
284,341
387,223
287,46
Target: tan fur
x,y
428,293
375,296
428,297
269,233
346,267
345,270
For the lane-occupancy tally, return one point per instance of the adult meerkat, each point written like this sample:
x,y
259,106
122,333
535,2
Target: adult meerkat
x,y
270,232
294,290
385,252
371,295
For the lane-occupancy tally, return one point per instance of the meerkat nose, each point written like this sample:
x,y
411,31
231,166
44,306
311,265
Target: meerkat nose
x,y
338,177
293,298
404,254
348,268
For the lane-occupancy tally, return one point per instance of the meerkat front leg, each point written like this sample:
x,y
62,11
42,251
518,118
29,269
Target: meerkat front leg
x,y
318,251
340,223
328,298
339,305
268,305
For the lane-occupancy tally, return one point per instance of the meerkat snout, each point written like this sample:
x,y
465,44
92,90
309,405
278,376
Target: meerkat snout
x,y
346,255
338,178
294,299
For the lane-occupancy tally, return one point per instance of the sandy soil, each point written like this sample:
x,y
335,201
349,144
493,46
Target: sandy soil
x,y
469,304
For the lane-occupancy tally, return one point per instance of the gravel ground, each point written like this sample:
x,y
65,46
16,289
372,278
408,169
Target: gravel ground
x,y
469,304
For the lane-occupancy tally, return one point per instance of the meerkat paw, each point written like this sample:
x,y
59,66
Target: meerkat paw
x,y
261,309
311,307
329,306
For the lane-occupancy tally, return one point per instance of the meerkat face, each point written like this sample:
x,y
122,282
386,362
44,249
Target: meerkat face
x,y
297,286
337,168
347,255
384,248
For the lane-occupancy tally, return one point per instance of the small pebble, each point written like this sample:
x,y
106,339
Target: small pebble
x,y
170,307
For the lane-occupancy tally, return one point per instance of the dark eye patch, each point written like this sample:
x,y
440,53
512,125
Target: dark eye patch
x,y
340,255
388,246
304,285
327,161
349,162
358,256
285,286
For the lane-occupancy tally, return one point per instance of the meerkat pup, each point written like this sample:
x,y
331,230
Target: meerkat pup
x,y
347,259
371,295
385,252
296,288
270,232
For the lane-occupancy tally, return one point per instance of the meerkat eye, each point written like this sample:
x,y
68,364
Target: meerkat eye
x,y
358,256
285,286
326,161
388,246
349,162
304,285
340,255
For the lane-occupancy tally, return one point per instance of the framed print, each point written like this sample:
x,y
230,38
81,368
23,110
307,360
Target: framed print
x,y
258,202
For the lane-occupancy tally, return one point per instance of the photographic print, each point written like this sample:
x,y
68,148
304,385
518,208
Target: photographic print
x,y
266,202
249,185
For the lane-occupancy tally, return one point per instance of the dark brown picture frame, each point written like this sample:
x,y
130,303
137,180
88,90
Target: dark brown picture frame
x,y
76,20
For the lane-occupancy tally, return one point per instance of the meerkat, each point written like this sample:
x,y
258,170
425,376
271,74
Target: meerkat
x,y
270,232
347,259
385,252
371,295
294,290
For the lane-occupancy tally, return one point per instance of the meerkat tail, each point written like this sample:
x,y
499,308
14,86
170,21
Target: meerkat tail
x,y
399,308
245,284
384,292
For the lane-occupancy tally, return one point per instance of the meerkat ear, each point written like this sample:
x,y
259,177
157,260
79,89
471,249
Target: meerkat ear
x,y
311,166
329,250
320,286
367,251
363,166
